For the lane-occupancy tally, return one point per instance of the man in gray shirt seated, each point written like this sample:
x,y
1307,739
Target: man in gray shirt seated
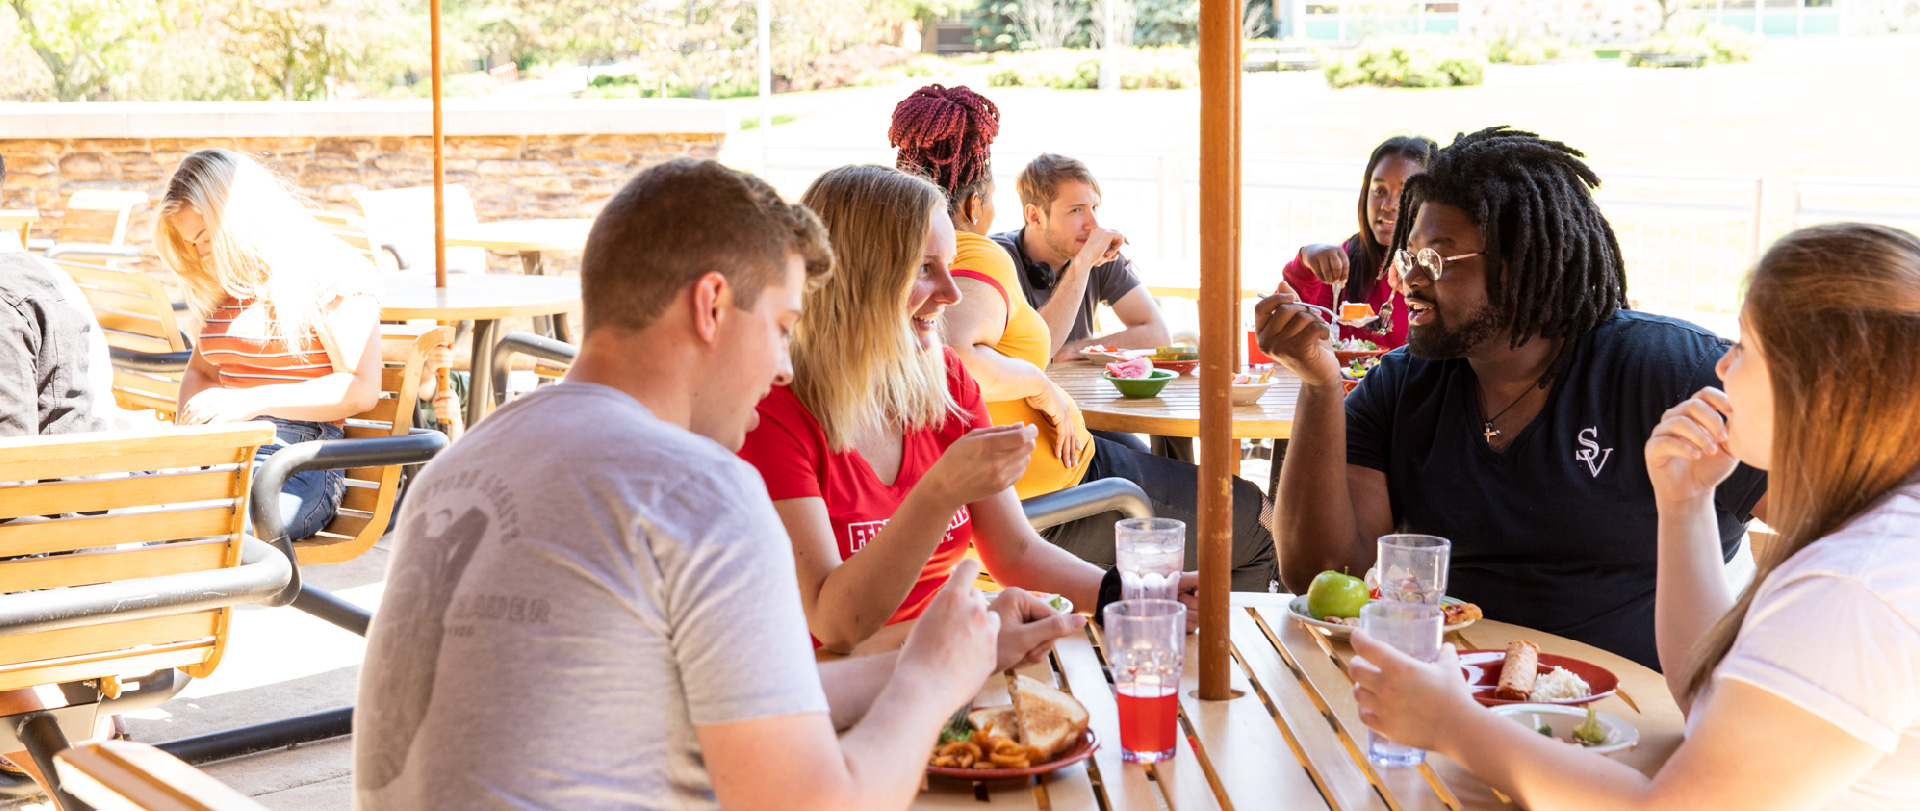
x,y
1069,264
592,603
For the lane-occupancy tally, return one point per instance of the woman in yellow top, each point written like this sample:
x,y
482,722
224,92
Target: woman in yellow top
x,y
945,135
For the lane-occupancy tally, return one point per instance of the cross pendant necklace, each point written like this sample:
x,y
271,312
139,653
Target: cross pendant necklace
x,y
1488,430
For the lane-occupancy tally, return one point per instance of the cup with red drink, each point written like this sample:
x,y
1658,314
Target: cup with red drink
x,y
1145,644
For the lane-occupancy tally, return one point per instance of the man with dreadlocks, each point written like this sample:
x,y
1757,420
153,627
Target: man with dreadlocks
x,y
946,134
1513,422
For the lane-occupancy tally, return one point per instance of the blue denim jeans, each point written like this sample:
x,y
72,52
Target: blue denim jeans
x,y
309,500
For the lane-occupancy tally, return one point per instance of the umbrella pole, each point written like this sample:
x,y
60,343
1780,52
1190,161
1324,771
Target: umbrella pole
x,y
439,160
1220,322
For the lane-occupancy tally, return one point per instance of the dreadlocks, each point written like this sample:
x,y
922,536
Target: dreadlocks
x,y
945,134
1556,263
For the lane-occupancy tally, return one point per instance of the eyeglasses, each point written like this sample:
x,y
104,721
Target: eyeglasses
x,y
1428,259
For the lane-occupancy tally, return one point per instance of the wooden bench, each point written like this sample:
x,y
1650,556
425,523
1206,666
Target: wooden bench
x,y
149,351
93,218
135,572
128,776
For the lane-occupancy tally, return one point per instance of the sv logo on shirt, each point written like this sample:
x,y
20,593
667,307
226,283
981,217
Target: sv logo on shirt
x,y
860,533
1591,452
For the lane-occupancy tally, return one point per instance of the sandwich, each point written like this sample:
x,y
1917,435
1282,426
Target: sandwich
x,y
1050,721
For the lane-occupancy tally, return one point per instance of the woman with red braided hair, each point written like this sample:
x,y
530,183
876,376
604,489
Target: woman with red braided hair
x,y
945,134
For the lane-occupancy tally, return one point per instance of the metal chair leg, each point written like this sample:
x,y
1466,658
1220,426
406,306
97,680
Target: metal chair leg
x,y
41,733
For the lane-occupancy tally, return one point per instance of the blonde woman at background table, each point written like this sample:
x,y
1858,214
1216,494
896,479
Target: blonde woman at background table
x,y
290,316
1805,691
879,456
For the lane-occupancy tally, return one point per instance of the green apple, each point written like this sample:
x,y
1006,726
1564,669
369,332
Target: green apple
x,y
1333,594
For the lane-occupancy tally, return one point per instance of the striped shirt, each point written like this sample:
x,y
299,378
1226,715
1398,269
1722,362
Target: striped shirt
x,y
236,340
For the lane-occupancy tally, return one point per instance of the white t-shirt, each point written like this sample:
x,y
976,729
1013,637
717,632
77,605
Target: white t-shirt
x,y
575,585
1836,631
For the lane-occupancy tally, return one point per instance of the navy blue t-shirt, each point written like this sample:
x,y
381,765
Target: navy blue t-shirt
x,y
1559,531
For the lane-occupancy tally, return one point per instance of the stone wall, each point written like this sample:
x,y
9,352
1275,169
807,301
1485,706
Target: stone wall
x,y
518,159
509,176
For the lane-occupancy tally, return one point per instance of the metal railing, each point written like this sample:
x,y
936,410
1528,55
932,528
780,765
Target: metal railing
x,y
1688,238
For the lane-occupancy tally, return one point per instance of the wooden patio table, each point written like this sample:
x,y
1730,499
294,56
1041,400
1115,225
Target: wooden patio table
x,y
1292,737
484,297
1176,412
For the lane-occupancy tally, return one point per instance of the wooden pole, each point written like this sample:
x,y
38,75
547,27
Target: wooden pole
x,y
1220,327
439,159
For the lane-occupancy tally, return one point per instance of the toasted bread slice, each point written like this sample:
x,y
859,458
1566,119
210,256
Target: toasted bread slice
x,y
1053,720
996,721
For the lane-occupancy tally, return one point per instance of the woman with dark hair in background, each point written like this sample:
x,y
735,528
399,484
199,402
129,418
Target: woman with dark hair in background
x,y
1357,267
945,135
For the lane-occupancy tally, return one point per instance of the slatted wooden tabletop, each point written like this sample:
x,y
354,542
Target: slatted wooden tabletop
x,y
1291,739
1176,412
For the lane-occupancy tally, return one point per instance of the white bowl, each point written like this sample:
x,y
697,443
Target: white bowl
x,y
1621,736
1249,393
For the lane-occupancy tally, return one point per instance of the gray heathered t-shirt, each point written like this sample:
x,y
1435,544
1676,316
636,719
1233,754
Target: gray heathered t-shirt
x,y
576,585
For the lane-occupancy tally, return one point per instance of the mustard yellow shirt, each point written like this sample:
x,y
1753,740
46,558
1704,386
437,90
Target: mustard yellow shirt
x,y
1025,338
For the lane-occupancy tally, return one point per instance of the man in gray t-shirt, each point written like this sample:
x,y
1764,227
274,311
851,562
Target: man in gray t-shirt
x,y
592,603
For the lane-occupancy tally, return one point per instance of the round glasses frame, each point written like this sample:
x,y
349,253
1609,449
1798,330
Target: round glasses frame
x,y
1426,259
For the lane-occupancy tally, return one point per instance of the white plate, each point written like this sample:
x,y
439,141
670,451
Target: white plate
x,y
1621,735
1111,357
1298,605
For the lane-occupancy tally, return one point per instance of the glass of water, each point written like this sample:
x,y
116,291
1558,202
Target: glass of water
x,y
1149,552
1413,629
1413,568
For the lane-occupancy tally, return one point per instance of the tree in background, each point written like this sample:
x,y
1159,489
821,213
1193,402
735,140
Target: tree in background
x,y
1048,23
85,45
304,48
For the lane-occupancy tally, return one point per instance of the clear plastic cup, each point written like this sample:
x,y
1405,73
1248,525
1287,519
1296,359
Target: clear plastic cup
x,y
1413,568
1145,645
1150,553
1413,629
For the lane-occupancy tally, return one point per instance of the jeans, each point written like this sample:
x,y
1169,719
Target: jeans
x,y
1174,489
309,500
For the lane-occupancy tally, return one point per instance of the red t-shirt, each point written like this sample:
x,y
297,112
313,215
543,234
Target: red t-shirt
x,y
791,452
1313,291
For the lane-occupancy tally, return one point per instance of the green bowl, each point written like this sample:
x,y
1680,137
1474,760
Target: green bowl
x,y
1141,387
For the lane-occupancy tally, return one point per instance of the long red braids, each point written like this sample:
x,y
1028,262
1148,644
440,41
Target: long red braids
x,y
945,134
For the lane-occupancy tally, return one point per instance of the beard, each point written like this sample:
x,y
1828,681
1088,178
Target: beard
x,y
1440,341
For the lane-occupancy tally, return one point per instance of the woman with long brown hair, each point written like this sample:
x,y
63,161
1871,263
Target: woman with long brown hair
x,y
1358,266
1804,692
880,458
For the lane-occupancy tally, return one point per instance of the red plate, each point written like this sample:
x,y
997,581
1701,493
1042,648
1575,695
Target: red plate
x,y
1348,356
1074,754
1482,669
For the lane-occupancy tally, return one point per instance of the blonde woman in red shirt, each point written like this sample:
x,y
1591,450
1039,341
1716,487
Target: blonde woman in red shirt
x,y
289,316
880,457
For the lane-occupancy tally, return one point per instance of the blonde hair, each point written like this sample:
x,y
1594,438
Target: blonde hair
x,y
266,245
857,365
1836,309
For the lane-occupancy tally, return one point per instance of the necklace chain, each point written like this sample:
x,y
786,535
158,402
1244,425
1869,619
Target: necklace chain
x,y
1487,426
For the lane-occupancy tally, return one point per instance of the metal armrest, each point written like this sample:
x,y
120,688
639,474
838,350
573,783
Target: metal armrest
x,y
60,249
159,363
262,574
399,259
1092,498
526,343
419,445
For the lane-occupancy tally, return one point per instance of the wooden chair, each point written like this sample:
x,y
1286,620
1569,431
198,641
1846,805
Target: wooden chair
x,y
94,217
136,573
128,776
149,351
18,222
